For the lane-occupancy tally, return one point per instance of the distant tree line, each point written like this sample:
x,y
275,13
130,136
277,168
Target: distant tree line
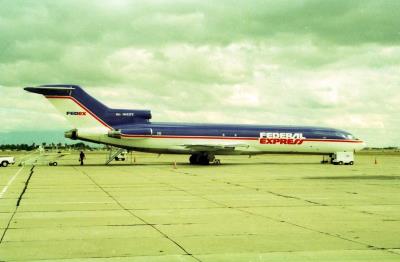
x,y
382,148
50,146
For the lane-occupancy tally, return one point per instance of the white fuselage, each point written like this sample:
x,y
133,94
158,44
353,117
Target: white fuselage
x,y
243,145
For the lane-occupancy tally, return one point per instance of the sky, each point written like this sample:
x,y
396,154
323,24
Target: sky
x,y
320,63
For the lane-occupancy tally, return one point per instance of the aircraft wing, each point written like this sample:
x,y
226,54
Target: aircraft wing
x,y
211,147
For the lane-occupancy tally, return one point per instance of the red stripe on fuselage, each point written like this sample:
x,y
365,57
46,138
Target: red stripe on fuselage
x,y
334,140
193,137
235,138
82,106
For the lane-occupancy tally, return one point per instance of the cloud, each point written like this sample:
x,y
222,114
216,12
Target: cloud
x,y
20,113
334,63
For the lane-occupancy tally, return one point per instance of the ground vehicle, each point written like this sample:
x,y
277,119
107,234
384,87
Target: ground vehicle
x,y
340,158
6,160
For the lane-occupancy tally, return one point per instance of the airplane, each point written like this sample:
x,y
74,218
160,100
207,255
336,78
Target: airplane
x,y
131,129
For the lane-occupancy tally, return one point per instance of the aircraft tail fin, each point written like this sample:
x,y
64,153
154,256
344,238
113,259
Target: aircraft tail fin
x,y
84,111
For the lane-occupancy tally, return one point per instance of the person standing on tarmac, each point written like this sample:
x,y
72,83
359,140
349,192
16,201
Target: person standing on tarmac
x,y
81,157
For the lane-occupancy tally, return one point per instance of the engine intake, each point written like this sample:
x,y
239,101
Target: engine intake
x,y
71,134
116,133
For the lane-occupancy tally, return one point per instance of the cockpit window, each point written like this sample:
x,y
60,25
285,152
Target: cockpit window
x,y
341,135
323,134
350,136
346,135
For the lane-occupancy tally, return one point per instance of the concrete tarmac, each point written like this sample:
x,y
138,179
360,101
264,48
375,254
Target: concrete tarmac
x,y
264,208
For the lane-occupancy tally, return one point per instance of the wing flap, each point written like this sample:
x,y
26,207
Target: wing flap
x,y
211,147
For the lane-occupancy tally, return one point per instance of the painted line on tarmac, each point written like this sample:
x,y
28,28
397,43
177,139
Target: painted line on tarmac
x,y
9,182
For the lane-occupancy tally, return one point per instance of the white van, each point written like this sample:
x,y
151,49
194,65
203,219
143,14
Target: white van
x,y
340,158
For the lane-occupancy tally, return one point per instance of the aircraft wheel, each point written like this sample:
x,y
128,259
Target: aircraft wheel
x,y
199,159
204,160
193,159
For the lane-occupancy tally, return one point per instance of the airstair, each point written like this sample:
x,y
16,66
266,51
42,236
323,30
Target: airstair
x,y
113,153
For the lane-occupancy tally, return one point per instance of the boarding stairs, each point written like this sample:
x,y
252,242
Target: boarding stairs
x,y
113,154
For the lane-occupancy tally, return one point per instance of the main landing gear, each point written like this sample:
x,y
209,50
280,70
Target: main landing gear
x,y
203,159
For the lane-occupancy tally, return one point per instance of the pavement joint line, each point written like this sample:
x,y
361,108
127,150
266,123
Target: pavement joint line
x,y
26,186
94,257
196,195
142,237
220,205
326,233
99,225
298,198
229,183
276,220
144,209
258,189
372,247
273,193
16,206
10,181
136,216
322,232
